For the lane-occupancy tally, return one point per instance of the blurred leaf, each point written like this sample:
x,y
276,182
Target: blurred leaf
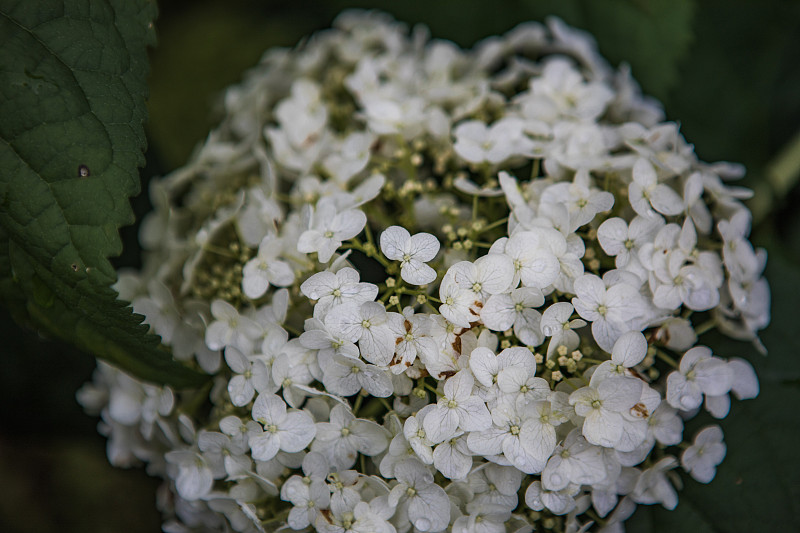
x,y
53,484
203,48
737,98
755,488
73,83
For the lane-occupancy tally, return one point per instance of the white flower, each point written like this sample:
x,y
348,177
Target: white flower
x,y
602,406
230,328
412,251
456,302
412,339
518,384
556,323
365,323
195,478
702,457
328,229
482,518
290,432
428,504
699,373
612,309
495,484
582,201
414,432
574,461
347,375
345,436
490,274
654,487
628,351
477,143
308,498
251,375
303,114
623,241
745,382
502,311
558,502
534,256
452,457
646,194
457,408
486,366
265,269
526,446
351,158
226,455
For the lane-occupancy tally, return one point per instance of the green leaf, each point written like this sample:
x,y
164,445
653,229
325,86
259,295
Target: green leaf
x,y
755,488
73,82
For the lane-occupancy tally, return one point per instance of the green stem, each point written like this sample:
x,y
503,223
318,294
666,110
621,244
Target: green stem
x,y
705,327
667,359
593,361
494,224
432,389
535,169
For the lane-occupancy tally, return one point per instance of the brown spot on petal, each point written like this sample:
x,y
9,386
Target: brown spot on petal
x,y
407,325
447,374
457,345
640,410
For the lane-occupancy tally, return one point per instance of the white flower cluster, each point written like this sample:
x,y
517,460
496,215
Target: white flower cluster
x,y
453,291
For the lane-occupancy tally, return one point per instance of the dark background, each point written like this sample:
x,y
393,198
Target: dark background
x,y
727,71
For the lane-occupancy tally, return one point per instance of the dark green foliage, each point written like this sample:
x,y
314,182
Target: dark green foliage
x,y
73,84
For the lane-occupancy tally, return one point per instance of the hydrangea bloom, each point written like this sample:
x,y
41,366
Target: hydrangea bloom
x,y
493,263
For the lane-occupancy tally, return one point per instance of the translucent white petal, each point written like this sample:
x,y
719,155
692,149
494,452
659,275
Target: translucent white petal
x,y
429,509
538,438
495,272
319,285
348,224
373,438
484,365
440,424
194,481
393,242
487,442
280,273
241,390
630,349
416,272
297,431
602,427
498,313
450,460
236,360
473,415
264,446
666,201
